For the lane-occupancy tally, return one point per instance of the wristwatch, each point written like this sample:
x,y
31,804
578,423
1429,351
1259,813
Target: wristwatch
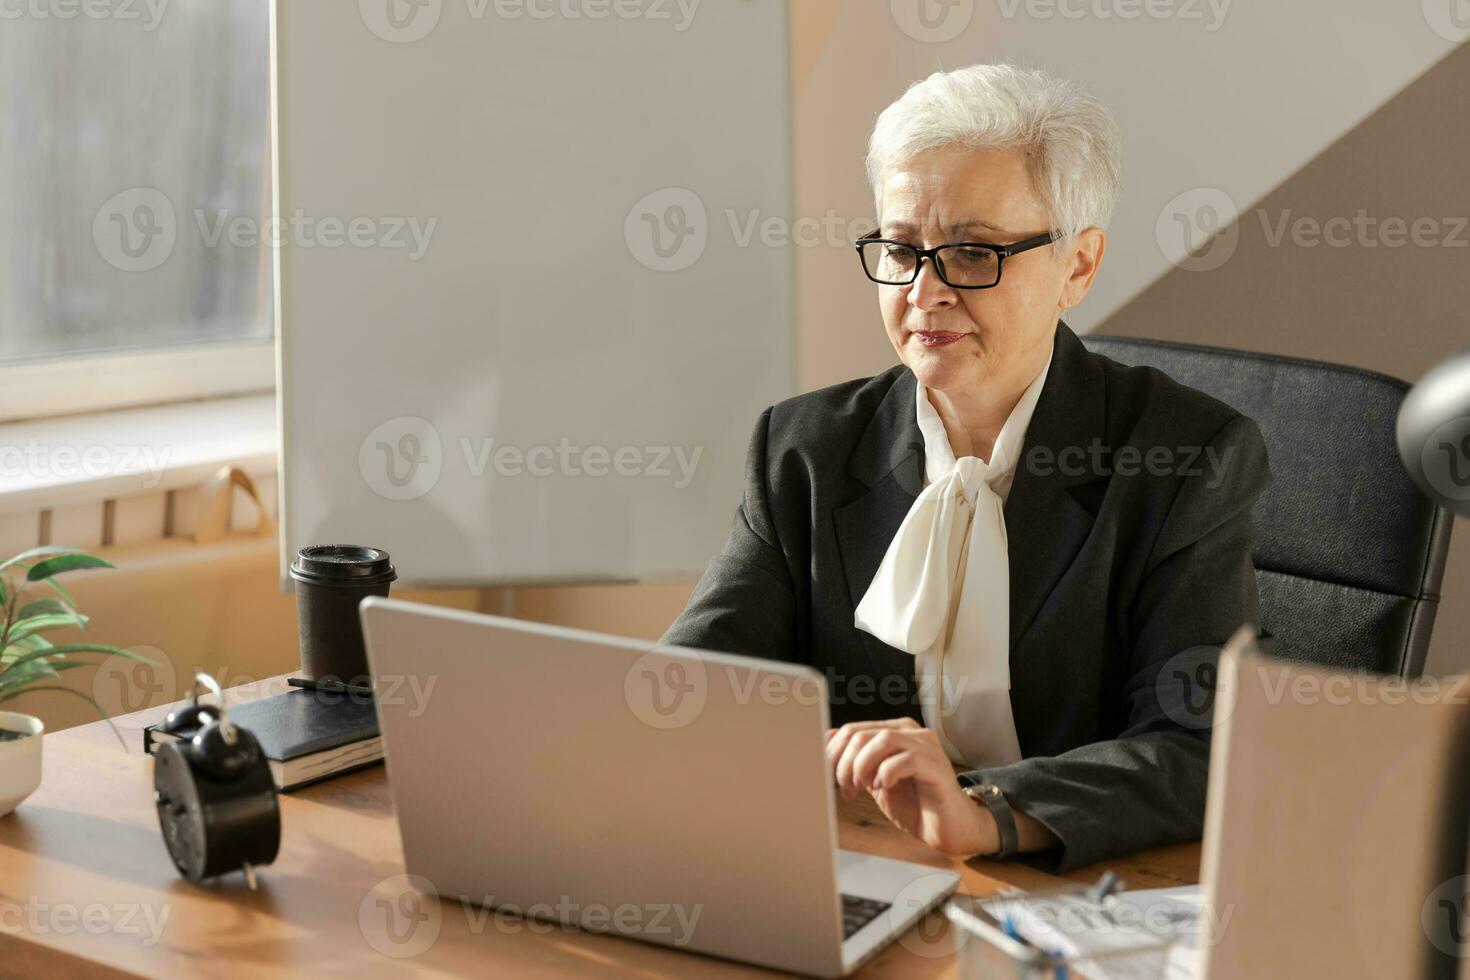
x,y
990,796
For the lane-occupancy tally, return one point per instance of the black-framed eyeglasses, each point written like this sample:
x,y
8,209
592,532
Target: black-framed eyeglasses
x,y
963,265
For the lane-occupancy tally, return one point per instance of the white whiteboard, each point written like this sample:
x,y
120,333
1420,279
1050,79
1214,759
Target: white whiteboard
x,y
489,301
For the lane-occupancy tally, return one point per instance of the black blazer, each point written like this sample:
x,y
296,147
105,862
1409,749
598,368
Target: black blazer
x,y
1120,563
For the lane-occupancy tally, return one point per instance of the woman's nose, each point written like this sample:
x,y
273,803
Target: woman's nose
x,y
928,290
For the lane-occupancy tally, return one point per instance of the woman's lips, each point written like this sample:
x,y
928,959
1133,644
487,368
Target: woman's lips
x,y
937,338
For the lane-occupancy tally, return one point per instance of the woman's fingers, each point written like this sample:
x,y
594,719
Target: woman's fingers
x,y
896,768
882,745
837,738
845,746
851,747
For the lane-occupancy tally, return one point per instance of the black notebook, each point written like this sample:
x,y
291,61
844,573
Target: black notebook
x,y
306,735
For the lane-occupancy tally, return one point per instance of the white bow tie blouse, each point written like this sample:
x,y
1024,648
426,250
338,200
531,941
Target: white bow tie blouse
x,y
943,589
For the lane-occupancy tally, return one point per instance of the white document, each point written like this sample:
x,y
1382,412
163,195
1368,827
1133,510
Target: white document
x,y
1150,934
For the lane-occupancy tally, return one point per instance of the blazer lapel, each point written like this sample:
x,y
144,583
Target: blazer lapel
x,y
1054,498
889,461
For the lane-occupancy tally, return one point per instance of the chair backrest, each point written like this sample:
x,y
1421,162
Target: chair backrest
x,y
1350,555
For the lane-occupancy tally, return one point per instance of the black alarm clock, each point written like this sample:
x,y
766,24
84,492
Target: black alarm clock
x,y
212,785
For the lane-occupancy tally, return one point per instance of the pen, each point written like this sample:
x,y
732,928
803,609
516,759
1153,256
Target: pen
x,y
1008,926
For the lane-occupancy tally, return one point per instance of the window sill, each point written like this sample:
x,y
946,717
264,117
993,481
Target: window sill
x,y
80,459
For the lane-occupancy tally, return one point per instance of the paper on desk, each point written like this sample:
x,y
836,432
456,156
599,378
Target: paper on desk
x,y
1150,934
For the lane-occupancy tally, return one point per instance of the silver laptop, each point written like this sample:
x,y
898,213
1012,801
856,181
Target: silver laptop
x,y
670,795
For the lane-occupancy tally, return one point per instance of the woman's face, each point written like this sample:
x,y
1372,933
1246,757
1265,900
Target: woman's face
x,y
956,339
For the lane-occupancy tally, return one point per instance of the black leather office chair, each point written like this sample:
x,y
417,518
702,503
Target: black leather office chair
x,y
1350,555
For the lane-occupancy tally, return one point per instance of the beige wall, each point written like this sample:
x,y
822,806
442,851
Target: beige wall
x,y
1397,309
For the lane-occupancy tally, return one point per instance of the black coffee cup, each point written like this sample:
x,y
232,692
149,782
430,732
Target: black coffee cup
x,y
331,579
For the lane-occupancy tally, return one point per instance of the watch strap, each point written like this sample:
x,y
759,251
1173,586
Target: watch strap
x,y
990,796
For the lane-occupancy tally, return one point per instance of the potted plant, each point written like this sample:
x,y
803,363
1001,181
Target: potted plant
x,y
29,661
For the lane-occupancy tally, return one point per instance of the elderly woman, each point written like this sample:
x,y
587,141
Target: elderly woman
x,y
957,543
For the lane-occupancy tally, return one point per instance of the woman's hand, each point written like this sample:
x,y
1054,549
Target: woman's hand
x,y
903,766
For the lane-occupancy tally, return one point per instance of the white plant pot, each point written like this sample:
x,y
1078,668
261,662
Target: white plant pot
x,y
20,759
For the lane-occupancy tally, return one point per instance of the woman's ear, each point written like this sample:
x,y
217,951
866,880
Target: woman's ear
x,y
1083,259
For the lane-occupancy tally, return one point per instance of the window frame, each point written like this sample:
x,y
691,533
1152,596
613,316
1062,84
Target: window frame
x,y
97,382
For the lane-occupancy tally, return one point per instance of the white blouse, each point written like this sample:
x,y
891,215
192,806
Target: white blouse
x,y
943,589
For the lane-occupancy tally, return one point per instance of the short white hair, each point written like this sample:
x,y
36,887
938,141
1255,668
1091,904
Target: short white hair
x,y
1072,139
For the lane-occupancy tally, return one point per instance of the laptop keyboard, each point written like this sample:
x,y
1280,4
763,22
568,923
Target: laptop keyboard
x,y
858,912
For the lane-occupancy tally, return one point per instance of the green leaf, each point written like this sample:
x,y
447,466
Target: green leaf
x,y
4,696
35,642
102,648
4,598
61,591
34,669
41,552
40,670
64,563
74,648
39,606
40,624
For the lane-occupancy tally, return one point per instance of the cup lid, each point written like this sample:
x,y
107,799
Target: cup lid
x,y
349,565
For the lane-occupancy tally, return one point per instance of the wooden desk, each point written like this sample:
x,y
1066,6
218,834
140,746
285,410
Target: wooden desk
x,y
87,889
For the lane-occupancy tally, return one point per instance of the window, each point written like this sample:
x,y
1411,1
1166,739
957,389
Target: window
x,y
134,154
